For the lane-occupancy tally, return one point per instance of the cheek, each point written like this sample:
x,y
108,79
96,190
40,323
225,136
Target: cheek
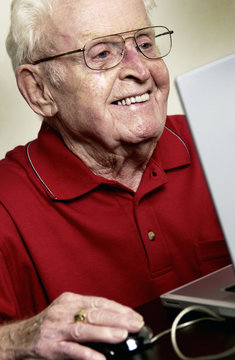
x,y
90,93
160,75
99,86
86,96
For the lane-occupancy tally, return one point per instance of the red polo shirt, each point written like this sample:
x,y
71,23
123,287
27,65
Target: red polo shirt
x,y
63,228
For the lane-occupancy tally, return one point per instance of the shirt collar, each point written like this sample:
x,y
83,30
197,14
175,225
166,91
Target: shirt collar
x,y
64,176
172,151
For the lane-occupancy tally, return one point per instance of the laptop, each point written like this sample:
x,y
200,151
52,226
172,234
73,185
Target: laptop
x,y
208,97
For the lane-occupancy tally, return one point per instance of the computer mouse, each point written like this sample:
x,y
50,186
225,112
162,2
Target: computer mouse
x,y
134,343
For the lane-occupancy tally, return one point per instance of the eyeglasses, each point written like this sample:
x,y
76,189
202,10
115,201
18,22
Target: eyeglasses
x,y
106,52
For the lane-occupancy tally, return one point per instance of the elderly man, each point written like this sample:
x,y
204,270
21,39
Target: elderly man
x,y
109,201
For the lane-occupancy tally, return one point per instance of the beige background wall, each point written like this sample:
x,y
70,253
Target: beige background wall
x,y
204,31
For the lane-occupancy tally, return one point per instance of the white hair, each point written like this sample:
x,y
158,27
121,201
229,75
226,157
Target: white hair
x,y
27,31
149,4
27,38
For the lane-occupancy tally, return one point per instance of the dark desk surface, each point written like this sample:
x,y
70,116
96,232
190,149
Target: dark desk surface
x,y
204,338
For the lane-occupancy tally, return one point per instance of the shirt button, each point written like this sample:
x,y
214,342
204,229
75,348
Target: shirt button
x,y
151,235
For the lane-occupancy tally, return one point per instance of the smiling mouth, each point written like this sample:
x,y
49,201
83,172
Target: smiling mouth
x,y
133,100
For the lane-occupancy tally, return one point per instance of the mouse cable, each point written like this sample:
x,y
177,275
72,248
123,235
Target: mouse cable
x,y
176,326
213,317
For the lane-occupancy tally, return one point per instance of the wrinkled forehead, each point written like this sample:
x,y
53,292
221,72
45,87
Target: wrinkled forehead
x,y
86,19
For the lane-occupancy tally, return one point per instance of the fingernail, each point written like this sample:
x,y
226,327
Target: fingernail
x,y
97,356
136,323
119,334
138,316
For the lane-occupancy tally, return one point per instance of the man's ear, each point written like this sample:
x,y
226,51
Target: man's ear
x,y
35,91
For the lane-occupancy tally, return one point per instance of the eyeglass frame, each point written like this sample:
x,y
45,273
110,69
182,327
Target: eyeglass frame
x,y
169,32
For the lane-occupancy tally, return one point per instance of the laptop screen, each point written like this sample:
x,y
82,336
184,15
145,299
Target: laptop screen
x,y
208,98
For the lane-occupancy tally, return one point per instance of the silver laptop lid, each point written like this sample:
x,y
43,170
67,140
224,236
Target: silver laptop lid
x,y
208,96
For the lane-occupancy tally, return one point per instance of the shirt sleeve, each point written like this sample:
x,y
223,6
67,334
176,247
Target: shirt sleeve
x,y
8,299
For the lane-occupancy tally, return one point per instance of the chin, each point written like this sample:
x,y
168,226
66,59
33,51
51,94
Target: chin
x,y
142,141
145,133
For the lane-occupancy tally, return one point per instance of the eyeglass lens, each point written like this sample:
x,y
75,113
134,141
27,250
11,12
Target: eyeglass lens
x,y
106,52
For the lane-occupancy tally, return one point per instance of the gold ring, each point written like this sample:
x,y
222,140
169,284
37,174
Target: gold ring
x,y
80,315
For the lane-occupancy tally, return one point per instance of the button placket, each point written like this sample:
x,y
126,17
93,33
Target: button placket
x,y
153,238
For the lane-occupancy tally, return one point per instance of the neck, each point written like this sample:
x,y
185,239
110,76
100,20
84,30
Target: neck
x,y
125,165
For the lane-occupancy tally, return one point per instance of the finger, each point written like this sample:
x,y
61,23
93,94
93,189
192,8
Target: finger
x,y
74,302
103,303
103,317
59,315
79,301
69,350
92,333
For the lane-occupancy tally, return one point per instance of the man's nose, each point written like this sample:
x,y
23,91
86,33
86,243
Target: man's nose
x,y
134,64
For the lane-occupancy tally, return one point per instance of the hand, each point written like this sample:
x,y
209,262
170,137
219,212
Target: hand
x,y
54,335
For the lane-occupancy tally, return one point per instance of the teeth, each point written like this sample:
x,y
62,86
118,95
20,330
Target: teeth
x,y
133,100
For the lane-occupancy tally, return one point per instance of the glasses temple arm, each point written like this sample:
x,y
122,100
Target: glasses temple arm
x,y
170,32
56,56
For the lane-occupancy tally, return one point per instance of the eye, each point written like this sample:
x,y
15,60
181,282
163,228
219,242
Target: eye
x,y
145,43
102,55
100,51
